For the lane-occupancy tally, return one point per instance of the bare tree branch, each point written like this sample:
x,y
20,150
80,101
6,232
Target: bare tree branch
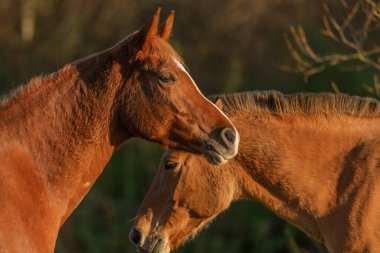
x,y
352,33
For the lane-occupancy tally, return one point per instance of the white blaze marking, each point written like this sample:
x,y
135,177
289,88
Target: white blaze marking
x,y
181,67
87,184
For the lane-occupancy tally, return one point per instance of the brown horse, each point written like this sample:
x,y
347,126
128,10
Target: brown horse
x,y
314,160
59,132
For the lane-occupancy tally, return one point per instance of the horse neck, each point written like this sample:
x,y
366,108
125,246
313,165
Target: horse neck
x,y
66,125
292,164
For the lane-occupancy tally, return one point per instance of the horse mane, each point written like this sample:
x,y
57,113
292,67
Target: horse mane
x,y
304,103
35,85
158,47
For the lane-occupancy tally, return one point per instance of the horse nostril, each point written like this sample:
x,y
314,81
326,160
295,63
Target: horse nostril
x,y
135,236
229,135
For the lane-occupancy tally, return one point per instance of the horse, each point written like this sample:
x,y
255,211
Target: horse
x,y
312,159
59,131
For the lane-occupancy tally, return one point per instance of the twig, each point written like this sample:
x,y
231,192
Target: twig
x,y
352,33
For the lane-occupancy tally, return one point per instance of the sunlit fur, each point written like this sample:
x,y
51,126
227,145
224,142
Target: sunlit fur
x,y
313,159
59,131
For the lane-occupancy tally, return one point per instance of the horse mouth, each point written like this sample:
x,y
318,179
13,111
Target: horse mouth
x,y
218,150
215,158
158,246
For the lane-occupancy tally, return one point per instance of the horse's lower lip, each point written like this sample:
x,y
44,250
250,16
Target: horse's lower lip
x,y
158,247
217,153
155,245
215,158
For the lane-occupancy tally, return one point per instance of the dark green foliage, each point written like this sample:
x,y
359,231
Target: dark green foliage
x,y
229,45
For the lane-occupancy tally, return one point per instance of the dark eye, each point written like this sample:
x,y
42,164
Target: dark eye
x,y
171,165
167,78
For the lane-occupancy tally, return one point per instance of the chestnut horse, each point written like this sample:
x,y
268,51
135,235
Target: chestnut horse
x,y
58,132
313,159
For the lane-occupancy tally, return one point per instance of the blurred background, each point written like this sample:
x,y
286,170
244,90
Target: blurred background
x,y
228,45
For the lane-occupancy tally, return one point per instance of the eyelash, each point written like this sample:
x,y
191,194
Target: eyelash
x,y
171,165
167,78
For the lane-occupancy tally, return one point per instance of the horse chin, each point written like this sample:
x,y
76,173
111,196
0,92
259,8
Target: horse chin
x,y
215,158
162,246
159,245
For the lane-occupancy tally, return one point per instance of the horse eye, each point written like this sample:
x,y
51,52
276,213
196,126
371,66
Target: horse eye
x,y
167,78
171,165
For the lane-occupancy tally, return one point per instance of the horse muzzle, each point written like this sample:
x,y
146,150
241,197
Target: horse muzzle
x,y
156,244
222,145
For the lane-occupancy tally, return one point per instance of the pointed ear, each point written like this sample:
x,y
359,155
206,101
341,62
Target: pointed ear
x,y
151,30
218,102
166,28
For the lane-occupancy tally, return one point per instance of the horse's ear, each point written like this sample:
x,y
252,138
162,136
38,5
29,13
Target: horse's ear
x,y
219,103
166,28
151,30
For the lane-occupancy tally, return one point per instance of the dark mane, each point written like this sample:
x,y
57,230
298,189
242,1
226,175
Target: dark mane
x,y
35,85
305,103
